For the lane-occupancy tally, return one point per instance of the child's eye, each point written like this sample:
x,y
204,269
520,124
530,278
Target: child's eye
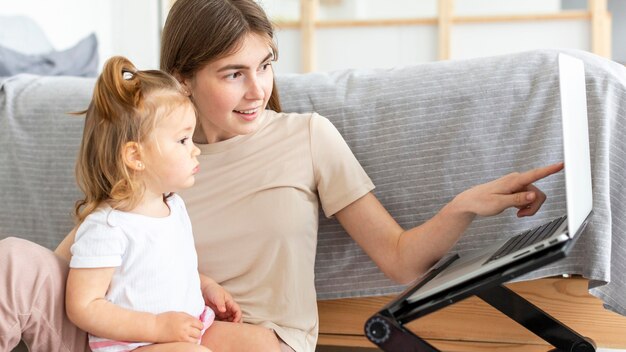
x,y
184,140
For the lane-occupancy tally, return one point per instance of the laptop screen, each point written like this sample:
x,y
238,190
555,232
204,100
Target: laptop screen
x,y
575,141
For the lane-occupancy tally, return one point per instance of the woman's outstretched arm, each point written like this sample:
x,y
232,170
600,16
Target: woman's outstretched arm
x,y
404,255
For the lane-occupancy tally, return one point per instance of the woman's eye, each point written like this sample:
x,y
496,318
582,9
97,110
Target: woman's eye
x,y
265,66
234,75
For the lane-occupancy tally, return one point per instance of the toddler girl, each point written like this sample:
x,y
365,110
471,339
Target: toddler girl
x,y
133,280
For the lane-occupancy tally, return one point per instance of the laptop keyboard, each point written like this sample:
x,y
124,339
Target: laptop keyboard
x,y
527,238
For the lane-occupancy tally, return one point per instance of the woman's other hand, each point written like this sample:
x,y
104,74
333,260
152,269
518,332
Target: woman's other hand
x,y
222,303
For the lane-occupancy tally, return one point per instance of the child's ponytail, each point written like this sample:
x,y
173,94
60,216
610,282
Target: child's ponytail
x,y
118,88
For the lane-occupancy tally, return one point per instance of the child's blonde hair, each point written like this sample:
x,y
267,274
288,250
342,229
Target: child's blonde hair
x,y
125,107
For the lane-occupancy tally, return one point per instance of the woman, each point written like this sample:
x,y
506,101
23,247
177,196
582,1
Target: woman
x,y
263,175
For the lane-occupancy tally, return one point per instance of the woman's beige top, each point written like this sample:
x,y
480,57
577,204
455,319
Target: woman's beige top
x,y
254,210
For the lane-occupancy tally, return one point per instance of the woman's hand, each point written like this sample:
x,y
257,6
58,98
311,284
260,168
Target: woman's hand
x,y
178,327
513,190
63,250
222,303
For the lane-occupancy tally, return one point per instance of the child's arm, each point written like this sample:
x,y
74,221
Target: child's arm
x,y
218,299
89,310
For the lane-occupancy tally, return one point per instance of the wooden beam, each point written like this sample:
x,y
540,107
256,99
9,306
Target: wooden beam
x,y
446,9
387,22
432,21
600,28
308,17
531,17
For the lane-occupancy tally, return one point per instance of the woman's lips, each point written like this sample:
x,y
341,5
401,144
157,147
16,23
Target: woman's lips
x,y
249,114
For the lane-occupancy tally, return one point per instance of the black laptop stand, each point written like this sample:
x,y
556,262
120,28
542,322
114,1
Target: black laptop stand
x,y
387,329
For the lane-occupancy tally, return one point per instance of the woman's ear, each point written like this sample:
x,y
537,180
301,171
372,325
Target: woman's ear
x,y
185,82
131,154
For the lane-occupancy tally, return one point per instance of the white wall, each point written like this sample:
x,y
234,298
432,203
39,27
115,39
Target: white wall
x,y
123,27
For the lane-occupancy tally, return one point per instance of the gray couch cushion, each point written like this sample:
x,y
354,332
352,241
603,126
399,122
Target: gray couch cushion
x,y
38,145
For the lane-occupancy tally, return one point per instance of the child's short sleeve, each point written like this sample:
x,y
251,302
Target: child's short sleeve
x,y
98,244
339,176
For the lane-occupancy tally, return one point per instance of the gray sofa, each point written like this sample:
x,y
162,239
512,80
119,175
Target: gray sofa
x,y
423,133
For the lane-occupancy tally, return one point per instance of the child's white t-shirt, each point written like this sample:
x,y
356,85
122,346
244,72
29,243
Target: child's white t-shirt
x,y
155,259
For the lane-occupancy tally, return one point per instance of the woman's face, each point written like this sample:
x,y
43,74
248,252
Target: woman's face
x,y
231,93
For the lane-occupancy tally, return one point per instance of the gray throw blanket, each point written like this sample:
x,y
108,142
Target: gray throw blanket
x,y
423,133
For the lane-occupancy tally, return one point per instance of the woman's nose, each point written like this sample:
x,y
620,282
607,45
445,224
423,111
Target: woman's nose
x,y
255,89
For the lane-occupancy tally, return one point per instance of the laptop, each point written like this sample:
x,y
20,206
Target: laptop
x,y
554,233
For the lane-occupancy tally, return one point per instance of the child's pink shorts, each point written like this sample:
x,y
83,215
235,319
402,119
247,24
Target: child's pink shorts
x,y
98,344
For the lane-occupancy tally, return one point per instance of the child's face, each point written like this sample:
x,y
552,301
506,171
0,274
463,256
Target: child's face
x,y
232,92
169,153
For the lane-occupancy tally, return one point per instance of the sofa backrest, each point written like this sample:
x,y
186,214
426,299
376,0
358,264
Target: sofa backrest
x,y
423,133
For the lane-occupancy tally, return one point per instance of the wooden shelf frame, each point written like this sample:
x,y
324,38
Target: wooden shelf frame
x,y
596,13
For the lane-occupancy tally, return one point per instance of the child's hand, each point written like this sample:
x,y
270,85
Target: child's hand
x,y
222,303
178,327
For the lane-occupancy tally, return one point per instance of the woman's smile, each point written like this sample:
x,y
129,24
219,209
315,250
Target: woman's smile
x,y
248,114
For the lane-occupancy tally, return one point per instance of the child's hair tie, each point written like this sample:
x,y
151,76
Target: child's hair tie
x,y
127,75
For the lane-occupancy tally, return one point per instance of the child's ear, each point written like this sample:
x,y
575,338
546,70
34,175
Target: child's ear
x,y
131,154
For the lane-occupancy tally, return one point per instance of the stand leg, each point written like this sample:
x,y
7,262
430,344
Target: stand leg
x,y
536,320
